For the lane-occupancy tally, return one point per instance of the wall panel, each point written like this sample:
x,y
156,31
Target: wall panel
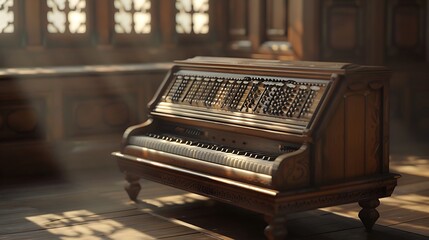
x,y
89,114
342,30
406,30
22,119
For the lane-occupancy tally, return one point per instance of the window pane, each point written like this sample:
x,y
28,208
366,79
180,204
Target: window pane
x,y
132,16
6,16
192,16
66,16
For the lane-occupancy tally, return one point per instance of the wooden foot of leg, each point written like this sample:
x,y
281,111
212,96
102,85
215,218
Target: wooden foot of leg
x,y
276,228
369,215
132,187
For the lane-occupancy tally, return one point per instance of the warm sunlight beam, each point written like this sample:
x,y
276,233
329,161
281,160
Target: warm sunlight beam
x,y
83,224
175,200
413,165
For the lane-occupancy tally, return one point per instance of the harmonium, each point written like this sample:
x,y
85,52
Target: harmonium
x,y
273,137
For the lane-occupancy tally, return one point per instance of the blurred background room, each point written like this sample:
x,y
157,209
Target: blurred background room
x,y
74,74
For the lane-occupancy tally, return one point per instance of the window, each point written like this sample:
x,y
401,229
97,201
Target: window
x,y
132,16
66,16
6,16
192,16
67,22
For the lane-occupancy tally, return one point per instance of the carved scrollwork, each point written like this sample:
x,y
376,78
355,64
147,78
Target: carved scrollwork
x,y
375,85
294,170
365,85
330,200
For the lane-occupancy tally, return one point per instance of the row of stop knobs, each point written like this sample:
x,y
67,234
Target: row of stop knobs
x,y
290,101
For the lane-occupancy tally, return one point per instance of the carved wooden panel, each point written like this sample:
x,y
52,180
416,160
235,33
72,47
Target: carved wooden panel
x,y
373,131
86,115
332,148
354,126
342,30
406,30
356,147
21,120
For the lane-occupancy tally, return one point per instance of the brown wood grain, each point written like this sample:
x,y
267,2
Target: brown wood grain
x,y
354,135
333,147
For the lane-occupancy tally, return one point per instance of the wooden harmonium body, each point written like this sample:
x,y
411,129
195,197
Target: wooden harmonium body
x,y
270,136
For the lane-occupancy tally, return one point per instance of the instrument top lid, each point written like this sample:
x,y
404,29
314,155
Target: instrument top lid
x,y
259,63
321,68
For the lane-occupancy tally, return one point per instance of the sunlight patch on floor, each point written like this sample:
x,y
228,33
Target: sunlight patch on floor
x,y
174,200
83,224
413,165
412,203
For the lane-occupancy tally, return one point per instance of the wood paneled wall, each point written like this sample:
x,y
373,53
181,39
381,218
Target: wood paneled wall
x,y
382,32
31,45
393,33
57,118
343,32
407,25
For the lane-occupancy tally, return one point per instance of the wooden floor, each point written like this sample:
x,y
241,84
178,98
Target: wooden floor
x,y
92,205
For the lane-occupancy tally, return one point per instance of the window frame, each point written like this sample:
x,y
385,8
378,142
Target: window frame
x,y
15,38
68,39
194,37
125,39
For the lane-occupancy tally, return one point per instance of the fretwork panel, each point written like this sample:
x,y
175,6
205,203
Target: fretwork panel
x,y
192,16
66,16
7,16
132,16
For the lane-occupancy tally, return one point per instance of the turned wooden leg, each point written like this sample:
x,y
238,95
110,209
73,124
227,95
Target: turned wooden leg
x,y
132,187
276,228
369,215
